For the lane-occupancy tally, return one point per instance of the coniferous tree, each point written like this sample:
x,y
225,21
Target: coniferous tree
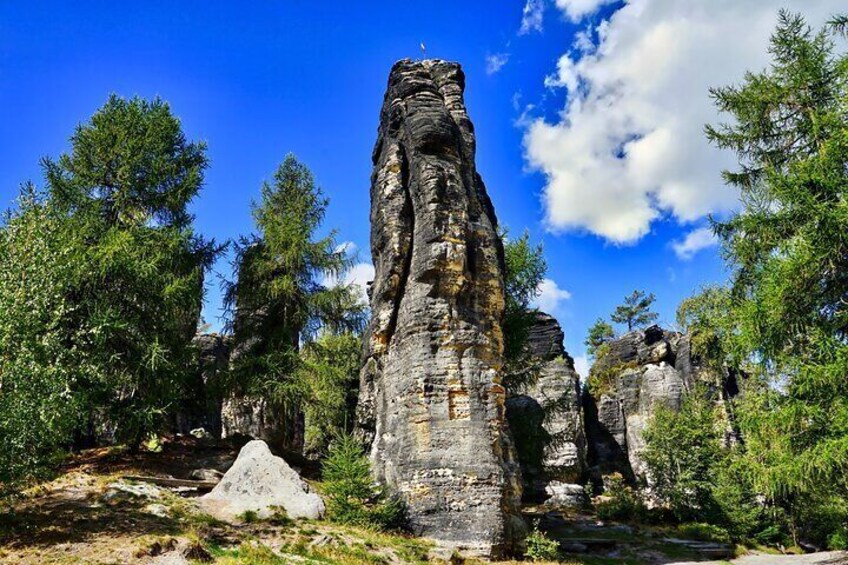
x,y
600,333
788,248
127,182
636,312
525,268
284,294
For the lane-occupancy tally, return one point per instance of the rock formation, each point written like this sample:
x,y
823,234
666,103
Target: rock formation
x,y
202,407
260,482
252,416
547,422
634,374
431,399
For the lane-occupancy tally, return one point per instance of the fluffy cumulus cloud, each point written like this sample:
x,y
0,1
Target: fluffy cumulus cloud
x,y
550,297
360,275
348,247
496,62
695,240
628,147
532,16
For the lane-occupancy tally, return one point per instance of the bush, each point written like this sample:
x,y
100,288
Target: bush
x,y
540,547
703,532
622,502
352,496
838,539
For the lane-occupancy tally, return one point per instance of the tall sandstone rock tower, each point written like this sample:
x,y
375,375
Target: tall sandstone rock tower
x,y
431,399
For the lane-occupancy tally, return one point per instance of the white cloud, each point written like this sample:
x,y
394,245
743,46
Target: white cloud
x,y
581,365
628,147
360,275
550,296
695,240
496,62
348,247
532,16
577,9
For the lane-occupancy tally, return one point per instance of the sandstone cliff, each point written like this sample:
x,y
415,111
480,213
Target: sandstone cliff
x,y
632,376
431,399
547,422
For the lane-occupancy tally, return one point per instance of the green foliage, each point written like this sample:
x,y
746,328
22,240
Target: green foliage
x,y
351,494
621,502
127,184
329,376
101,286
525,269
131,164
683,451
635,313
703,532
788,246
600,333
603,376
540,547
38,406
280,295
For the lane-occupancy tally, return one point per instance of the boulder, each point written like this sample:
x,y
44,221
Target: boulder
x,y
431,399
261,482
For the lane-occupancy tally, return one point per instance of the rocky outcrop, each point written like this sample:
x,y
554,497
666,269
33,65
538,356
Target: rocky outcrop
x,y
633,375
260,482
431,400
547,421
254,417
202,407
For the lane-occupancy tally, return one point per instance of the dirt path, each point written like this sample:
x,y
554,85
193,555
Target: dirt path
x,y
825,558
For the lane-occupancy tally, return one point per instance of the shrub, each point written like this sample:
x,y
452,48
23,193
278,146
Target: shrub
x,y
622,502
352,496
540,547
703,532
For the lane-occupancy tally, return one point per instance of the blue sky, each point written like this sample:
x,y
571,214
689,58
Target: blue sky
x,y
258,80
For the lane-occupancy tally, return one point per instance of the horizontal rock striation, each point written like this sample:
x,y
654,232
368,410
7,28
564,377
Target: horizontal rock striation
x,y
431,399
547,421
633,375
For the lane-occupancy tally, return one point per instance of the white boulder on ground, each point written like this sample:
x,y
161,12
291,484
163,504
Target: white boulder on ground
x,y
261,482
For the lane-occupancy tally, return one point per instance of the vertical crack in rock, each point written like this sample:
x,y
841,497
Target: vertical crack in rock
x,y
431,399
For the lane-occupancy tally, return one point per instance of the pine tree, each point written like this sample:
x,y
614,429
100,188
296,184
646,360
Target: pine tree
x,y
636,312
127,183
600,333
525,268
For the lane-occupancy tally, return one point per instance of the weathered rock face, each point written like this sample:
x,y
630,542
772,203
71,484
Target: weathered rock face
x,y
258,418
547,422
431,401
640,371
258,482
202,409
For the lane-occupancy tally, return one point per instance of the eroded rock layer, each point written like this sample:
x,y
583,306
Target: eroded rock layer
x,y
431,400
637,373
547,422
